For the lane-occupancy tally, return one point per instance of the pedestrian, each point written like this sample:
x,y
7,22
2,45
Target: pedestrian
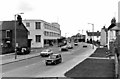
x,y
117,52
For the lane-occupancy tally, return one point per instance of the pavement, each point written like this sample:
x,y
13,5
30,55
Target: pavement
x,y
119,68
95,66
10,58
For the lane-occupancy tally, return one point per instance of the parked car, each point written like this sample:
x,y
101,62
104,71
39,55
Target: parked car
x,y
22,50
46,52
84,46
54,59
64,48
69,46
76,44
61,44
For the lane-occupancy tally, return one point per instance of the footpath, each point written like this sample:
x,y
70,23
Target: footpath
x,y
10,58
96,66
119,68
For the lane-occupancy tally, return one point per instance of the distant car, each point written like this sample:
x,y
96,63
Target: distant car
x,y
101,46
69,46
76,44
61,44
46,52
84,46
105,45
64,48
22,51
54,59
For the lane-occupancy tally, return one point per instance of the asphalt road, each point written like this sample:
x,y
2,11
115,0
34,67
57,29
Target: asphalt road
x,y
35,67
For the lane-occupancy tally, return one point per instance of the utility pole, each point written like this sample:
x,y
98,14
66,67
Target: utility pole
x,y
15,35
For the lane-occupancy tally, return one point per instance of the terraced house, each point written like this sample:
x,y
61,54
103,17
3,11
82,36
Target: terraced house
x,y
42,33
7,36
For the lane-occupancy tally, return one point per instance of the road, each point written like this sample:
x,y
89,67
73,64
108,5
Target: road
x,y
35,67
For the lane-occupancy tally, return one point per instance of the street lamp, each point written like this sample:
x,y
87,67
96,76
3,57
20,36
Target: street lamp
x,y
15,35
93,32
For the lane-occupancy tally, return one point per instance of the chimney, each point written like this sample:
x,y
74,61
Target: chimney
x,y
19,19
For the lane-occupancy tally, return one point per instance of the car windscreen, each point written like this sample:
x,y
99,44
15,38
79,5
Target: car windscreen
x,y
52,56
45,50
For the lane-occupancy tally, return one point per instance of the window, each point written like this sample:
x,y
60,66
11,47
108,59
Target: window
x,y
27,24
28,32
45,33
8,33
38,38
38,25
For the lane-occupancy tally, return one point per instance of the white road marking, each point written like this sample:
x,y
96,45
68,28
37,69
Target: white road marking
x,y
101,57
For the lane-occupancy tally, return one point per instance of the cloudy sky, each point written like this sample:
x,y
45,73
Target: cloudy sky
x,y
72,15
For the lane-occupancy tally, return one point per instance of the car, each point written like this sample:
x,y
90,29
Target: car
x,y
54,59
76,44
69,46
64,48
46,52
22,50
105,46
61,44
84,46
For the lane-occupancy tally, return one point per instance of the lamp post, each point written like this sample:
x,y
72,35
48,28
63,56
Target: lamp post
x,y
15,35
93,32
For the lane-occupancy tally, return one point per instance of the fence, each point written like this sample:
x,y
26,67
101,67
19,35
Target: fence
x,y
116,66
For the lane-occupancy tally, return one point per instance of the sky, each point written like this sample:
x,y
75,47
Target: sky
x,y
72,15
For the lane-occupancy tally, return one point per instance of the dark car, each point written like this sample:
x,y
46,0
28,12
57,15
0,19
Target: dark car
x,y
61,44
22,50
84,46
54,59
64,48
76,44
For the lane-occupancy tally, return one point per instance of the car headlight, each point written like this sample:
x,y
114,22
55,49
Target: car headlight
x,y
52,61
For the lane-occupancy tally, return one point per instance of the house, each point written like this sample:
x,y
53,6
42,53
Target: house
x,y
78,38
42,33
93,36
114,35
7,36
104,36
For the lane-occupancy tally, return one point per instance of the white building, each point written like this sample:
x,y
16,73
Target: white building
x,y
42,33
104,36
111,33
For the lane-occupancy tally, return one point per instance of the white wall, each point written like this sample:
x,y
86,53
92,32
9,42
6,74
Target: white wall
x,y
103,37
34,32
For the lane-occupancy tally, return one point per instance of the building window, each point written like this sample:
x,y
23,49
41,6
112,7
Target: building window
x,y
27,24
8,33
45,33
28,32
38,38
38,25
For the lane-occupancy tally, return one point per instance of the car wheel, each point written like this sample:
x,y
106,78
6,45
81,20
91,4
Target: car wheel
x,y
60,61
46,64
55,63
